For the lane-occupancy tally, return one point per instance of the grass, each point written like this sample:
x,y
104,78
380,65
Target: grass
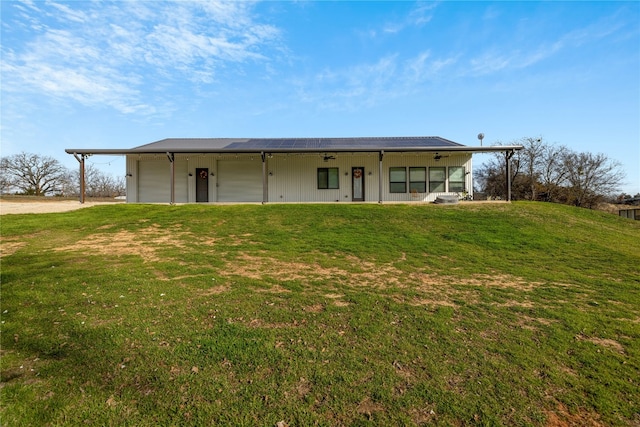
x,y
506,314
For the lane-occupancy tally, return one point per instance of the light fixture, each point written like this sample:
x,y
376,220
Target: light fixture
x,y
270,173
128,174
213,174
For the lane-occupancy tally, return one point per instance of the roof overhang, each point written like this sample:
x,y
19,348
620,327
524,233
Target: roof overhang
x,y
238,150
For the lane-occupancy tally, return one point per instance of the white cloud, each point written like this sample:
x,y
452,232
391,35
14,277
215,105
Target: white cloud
x,y
508,56
370,84
97,53
66,13
420,15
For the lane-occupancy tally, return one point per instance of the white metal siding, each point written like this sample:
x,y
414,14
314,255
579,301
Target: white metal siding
x,y
240,180
291,177
132,181
181,180
200,161
422,160
153,181
294,177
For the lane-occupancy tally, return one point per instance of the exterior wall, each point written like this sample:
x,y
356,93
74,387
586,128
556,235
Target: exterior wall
x,y
201,161
290,177
293,177
423,160
239,179
131,179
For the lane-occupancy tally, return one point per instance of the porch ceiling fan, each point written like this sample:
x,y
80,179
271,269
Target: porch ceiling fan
x,y
326,158
439,156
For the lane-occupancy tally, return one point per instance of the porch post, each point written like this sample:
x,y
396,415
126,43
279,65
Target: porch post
x,y
508,155
171,157
380,177
265,187
80,160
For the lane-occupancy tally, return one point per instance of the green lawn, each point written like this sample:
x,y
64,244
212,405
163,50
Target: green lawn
x,y
474,314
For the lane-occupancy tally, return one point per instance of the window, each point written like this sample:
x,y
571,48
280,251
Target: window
x,y
418,180
456,178
437,178
328,178
397,180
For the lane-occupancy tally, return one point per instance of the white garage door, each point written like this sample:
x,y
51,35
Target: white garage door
x,y
239,180
154,181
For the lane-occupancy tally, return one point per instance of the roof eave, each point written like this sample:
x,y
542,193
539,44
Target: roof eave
x,y
178,150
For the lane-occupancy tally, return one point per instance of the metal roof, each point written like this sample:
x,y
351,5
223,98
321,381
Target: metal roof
x,y
293,145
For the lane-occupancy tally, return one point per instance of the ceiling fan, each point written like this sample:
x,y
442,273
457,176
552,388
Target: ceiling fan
x,y
327,158
438,156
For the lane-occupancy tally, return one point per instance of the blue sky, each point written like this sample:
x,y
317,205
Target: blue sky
x,y
89,74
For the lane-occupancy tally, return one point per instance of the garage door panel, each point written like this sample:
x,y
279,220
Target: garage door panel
x,y
154,182
239,181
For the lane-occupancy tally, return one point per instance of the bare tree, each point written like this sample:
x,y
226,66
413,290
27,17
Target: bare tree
x,y
100,184
552,172
531,160
591,177
492,177
33,174
6,184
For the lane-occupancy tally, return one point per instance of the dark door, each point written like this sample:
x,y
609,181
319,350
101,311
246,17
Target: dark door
x,y
202,185
357,184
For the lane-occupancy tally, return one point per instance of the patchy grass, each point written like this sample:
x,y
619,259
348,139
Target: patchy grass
x,y
511,314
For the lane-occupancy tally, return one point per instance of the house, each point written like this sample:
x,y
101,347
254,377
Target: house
x,y
370,169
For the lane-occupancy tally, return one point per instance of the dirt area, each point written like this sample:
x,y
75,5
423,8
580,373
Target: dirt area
x,y
21,206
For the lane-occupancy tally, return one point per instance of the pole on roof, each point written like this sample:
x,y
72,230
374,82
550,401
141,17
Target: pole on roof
x,y
172,169
265,188
380,176
80,160
508,155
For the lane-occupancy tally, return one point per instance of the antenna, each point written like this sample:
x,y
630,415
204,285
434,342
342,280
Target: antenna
x,y
481,137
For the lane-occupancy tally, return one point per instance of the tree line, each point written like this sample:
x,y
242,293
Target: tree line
x,y
37,175
554,173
